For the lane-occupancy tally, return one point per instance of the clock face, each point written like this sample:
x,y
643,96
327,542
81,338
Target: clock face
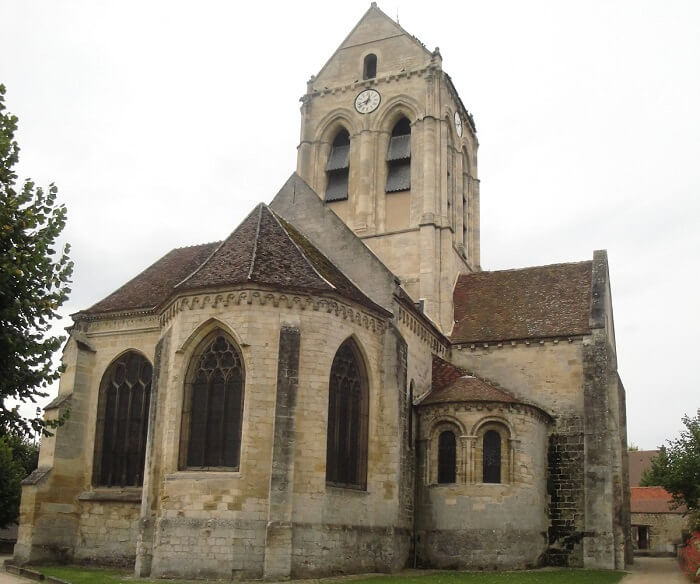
x,y
458,124
367,101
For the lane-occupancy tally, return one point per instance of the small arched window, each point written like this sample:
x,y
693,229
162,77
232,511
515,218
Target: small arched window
x,y
346,446
399,158
122,422
213,409
369,68
338,168
492,457
447,458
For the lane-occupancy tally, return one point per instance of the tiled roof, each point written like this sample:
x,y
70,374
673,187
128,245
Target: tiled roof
x,y
155,283
651,500
264,249
543,301
453,384
639,461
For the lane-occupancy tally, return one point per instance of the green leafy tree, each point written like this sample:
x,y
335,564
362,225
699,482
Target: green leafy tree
x,y
677,467
18,457
34,283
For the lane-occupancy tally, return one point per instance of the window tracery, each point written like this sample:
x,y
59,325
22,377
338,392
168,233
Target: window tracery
x,y
122,422
346,446
213,409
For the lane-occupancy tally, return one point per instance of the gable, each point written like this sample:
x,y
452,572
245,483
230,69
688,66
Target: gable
x,y
375,32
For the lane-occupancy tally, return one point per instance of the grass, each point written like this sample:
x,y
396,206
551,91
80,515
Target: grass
x,y
82,575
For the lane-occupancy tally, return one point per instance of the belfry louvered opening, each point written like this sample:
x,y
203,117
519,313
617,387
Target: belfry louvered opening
x,y
122,422
338,167
399,158
213,406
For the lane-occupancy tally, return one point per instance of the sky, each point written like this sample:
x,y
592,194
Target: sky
x,y
164,122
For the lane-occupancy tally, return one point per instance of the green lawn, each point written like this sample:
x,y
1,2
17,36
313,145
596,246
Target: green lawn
x,y
82,575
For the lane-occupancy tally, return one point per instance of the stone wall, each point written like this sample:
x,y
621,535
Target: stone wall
x,y
664,530
472,524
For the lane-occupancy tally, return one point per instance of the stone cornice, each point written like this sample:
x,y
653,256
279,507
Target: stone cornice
x,y
430,336
261,297
441,409
535,342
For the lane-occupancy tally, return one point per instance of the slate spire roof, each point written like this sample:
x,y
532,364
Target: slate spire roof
x,y
263,250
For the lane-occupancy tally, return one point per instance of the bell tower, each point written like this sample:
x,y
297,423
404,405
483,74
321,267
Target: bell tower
x,y
388,144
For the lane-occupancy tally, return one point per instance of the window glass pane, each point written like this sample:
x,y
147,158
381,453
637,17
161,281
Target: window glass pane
x,y
123,422
492,457
215,395
447,458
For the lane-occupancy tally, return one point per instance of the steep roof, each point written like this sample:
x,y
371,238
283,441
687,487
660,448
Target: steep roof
x,y
652,500
454,384
155,283
264,249
638,462
537,302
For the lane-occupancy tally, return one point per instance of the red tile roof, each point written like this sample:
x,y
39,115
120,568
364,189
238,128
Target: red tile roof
x,y
538,302
263,249
453,384
651,500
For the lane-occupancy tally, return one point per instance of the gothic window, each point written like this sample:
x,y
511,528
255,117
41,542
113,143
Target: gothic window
x,y
447,457
213,408
369,69
122,422
338,167
346,446
399,158
492,457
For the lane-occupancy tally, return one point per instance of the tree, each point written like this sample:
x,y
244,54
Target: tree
x,y
18,457
34,283
677,467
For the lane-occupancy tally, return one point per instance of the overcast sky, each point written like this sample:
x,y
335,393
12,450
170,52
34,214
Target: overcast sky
x,y
163,124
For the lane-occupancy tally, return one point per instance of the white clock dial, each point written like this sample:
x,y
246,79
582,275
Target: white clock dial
x,y
367,101
458,124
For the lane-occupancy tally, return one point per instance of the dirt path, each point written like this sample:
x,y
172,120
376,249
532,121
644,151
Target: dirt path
x,y
655,571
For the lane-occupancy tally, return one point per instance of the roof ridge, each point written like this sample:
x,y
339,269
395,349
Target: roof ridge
x,y
577,263
218,247
255,241
301,251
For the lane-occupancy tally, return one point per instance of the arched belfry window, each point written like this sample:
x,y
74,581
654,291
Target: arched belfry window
x,y
122,422
346,446
399,158
369,67
338,167
492,457
213,409
447,457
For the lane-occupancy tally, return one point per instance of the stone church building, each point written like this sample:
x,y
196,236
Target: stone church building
x,y
338,386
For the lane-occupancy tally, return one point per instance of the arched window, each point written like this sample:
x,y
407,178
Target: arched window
x,y
346,450
122,422
399,158
369,68
492,457
447,458
213,409
338,167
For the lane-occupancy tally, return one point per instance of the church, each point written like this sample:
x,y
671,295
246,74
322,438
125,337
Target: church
x,y
338,386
